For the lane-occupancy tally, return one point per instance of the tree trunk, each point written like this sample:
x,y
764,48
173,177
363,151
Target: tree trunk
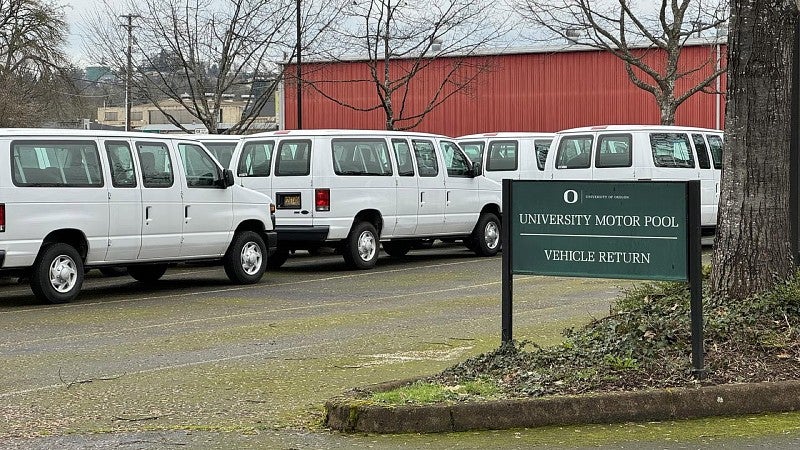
x,y
667,107
753,248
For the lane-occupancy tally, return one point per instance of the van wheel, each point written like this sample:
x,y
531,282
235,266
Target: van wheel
x,y
245,261
396,248
148,272
57,274
486,235
361,247
277,259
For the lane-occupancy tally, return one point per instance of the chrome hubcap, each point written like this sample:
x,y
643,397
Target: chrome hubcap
x,y
251,258
491,235
367,246
63,274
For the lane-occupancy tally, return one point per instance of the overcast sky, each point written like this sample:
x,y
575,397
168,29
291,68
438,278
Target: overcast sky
x,y
75,9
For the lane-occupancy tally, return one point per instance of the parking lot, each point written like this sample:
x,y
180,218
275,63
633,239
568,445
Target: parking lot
x,y
193,352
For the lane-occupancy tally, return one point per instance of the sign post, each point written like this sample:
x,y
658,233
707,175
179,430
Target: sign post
x,y
604,229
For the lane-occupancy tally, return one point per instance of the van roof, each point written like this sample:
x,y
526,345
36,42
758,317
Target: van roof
x,y
343,132
662,128
508,134
46,133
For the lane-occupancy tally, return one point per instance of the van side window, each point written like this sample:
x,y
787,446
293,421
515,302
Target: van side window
x,y
223,151
671,150
541,146
613,150
702,151
455,161
56,163
715,144
201,170
156,164
574,152
502,156
361,156
120,161
402,153
293,158
474,150
426,158
256,159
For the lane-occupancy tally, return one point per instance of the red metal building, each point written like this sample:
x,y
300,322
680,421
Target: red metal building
x,y
513,91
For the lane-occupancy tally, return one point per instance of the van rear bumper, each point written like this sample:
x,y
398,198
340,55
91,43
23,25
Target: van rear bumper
x,y
299,233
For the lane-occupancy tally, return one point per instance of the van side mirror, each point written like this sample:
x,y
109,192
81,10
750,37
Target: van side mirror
x,y
227,177
477,170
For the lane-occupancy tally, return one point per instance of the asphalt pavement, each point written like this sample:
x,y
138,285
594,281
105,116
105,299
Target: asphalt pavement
x,y
195,362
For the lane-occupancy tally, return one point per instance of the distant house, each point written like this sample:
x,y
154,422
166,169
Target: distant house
x,y
147,117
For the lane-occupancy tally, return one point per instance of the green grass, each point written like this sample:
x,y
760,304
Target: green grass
x,y
423,393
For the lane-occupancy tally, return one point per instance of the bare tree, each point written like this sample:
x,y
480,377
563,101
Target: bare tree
x,y
648,40
753,247
32,62
400,40
198,52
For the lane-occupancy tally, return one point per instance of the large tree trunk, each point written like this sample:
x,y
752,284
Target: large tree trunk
x,y
753,248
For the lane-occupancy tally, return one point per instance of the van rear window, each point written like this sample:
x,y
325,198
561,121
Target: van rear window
x,y
502,156
361,157
293,158
574,152
56,164
255,159
671,150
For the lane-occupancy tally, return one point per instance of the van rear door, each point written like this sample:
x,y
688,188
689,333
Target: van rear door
x,y
292,184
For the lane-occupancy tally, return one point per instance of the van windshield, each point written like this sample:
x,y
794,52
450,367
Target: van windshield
x,y
473,150
223,151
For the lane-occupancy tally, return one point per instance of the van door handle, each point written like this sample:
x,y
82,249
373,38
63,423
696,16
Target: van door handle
x,y
186,213
147,218
447,199
422,199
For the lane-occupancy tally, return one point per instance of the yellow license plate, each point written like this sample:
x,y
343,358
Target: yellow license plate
x,y
291,201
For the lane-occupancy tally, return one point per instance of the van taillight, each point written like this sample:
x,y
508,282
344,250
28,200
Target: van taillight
x,y
322,199
2,217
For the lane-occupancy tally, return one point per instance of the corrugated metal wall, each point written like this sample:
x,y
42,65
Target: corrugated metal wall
x,y
514,92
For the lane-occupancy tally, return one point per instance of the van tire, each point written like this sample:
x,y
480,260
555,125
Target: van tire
x,y
57,274
246,259
277,259
362,246
486,235
147,272
396,248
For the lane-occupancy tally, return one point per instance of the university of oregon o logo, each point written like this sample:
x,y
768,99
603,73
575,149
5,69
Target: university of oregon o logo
x,y
570,196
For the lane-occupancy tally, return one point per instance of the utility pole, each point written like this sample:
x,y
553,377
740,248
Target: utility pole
x,y
299,71
128,75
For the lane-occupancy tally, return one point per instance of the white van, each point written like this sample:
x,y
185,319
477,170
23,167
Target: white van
x,y
351,189
641,152
71,200
504,154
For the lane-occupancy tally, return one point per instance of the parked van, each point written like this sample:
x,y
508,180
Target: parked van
x,y
503,155
72,200
641,152
351,189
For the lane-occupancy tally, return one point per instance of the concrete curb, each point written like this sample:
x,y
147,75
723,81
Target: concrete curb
x,y
350,414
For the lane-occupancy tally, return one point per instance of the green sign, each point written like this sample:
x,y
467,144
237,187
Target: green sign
x,y
599,229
